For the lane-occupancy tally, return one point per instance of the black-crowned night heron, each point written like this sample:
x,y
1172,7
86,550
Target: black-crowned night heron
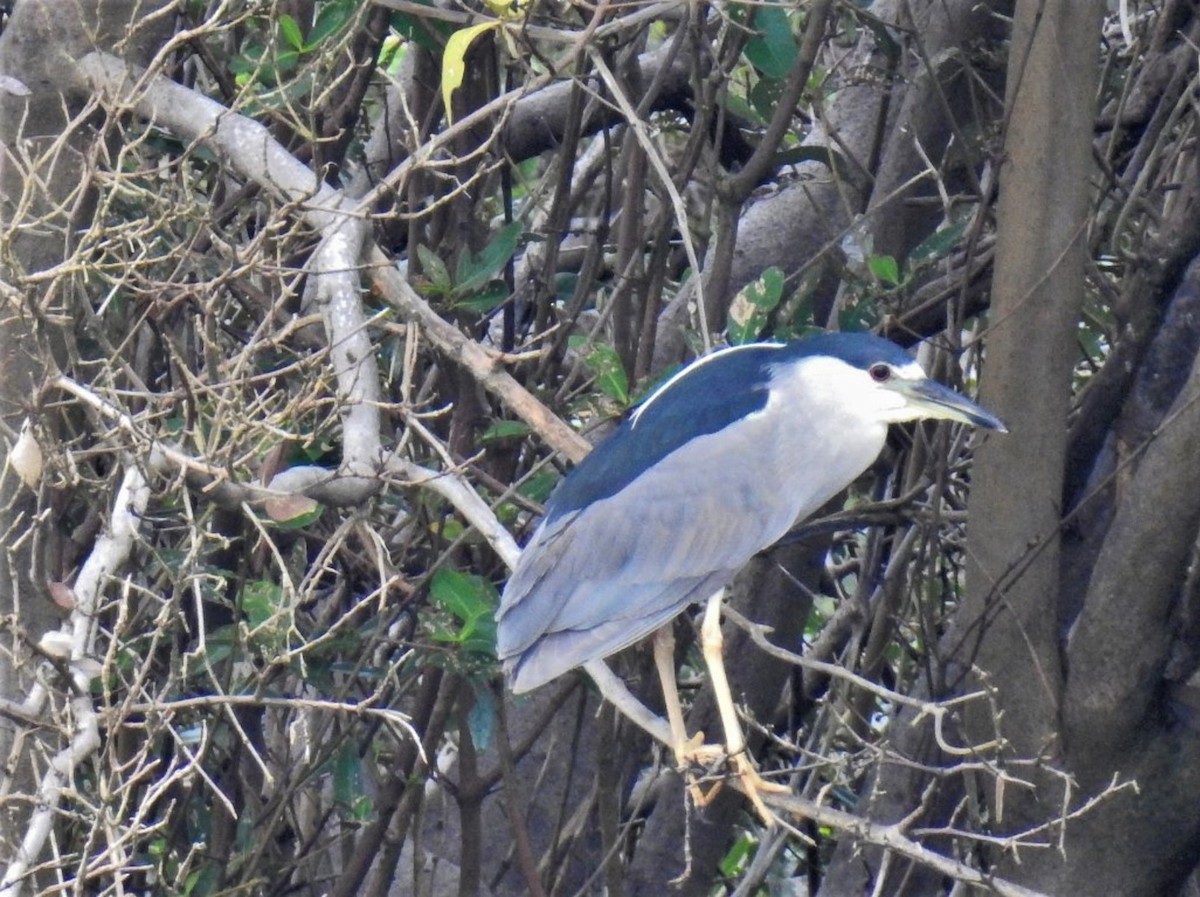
x,y
716,465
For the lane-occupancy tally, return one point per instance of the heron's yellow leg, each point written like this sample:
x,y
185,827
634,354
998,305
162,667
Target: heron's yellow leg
x,y
687,750
712,643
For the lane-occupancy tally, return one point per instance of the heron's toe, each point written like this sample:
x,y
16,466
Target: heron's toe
x,y
745,770
754,786
694,752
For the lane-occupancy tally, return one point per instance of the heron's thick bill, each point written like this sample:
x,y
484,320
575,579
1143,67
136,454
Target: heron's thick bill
x,y
941,402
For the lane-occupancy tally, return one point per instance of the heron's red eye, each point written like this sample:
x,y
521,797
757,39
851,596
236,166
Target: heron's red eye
x,y
880,373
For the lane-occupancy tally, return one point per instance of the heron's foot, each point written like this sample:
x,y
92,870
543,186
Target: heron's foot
x,y
693,759
694,753
754,786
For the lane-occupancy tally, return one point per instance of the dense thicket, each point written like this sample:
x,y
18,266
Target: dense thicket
x,y
308,304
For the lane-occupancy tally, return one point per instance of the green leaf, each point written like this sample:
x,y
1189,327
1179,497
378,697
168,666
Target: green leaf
x,y
332,18
454,60
261,601
218,647
938,244
752,306
565,284
349,783
464,595
472,601
290,30
363,808
737,106
422,31
484,300
505,429
855,316
434,268
476,270
449,528
773,49
201,882
739,856
391,53
246,61
764,97
539,486
884,268
604,362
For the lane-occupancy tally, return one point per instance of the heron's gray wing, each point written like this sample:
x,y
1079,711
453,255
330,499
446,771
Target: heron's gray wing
x,y
596,567
558,650
597,579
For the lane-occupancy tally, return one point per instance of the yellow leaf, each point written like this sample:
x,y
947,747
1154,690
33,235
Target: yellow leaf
x,y
509,10
454,65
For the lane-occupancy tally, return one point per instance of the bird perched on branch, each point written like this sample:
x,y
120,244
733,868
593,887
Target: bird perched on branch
x,y
713,467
